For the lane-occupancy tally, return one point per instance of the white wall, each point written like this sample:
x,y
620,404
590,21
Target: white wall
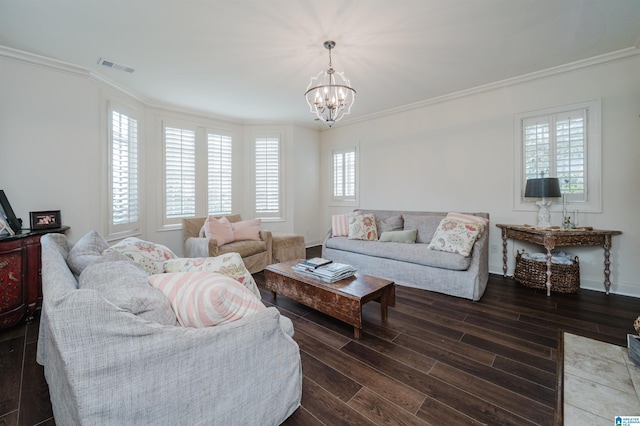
x,y
451,155
53,145
457,154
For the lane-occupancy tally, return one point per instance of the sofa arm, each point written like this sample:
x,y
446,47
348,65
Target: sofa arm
x,y
200,247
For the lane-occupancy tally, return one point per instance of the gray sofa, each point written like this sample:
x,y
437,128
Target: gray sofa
x,y
415,265
107,366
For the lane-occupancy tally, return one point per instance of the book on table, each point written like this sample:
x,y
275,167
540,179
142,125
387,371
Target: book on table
x,y
329,273
315,262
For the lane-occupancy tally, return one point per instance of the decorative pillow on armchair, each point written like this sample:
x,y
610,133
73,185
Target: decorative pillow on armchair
x,y
150,255
219,230
229,264
246,230
454,236
362,227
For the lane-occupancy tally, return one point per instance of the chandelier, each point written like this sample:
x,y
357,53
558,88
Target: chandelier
x,y
329,94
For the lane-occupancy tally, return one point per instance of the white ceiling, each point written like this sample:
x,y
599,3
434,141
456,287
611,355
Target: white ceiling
x,y
251,60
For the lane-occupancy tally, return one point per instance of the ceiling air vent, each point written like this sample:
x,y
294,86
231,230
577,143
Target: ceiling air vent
x,y
115,66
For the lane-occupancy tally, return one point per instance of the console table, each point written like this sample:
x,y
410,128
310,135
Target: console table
x,y
20,275
556,237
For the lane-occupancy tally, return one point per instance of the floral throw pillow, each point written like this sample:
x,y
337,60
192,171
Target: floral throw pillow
x,y
362,227
469,218
229,264
150,256
454,236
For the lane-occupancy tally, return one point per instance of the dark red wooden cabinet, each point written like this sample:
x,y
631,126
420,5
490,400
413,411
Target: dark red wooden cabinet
x,y
20,280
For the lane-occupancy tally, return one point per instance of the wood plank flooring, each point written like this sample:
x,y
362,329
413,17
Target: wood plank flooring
x,y
438,360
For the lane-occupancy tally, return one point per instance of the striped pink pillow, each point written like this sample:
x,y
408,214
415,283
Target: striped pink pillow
x,y
340,225
203,299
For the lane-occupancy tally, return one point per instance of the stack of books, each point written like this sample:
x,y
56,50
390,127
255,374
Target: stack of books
x,y
324,270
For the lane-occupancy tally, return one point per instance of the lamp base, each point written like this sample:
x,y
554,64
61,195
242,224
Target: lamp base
x,y
543,214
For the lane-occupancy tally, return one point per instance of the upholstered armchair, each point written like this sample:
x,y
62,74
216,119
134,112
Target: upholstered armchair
x,y
255,254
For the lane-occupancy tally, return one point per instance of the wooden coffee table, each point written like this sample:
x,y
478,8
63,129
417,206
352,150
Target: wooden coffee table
x,y
342,300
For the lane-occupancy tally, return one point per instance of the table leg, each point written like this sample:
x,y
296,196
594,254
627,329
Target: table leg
x,y
549,271
273,294
504,252
607,262
384,303
356,332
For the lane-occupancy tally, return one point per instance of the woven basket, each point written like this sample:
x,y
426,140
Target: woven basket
x,y
533,274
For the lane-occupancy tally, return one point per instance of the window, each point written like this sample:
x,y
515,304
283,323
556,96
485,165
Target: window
x,y
267,177
124,190
180,173
219,176
564,143
344,175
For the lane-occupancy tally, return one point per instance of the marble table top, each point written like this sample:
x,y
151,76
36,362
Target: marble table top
x,y
600,382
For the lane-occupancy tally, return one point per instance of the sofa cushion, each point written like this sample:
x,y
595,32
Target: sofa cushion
x,y
419,254
203,299
229,264
455,237
362,227
150,255
219,230
88,249
407,237
124,283
425,224
244,248
393,223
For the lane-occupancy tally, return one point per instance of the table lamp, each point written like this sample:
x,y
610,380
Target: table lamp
x,y
543,188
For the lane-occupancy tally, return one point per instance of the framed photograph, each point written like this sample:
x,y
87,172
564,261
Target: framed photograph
x,y
7,213
45,219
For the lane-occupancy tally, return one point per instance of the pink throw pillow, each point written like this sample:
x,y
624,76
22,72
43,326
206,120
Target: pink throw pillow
x,y
219,230
247,230
203,299
340,225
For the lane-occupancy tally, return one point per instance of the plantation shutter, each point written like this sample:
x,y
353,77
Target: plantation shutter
x,y
344,175
219,176
125,196
267,176
180,173
556,144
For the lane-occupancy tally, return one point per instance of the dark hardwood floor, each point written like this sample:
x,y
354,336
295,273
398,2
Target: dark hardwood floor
x,y
438,360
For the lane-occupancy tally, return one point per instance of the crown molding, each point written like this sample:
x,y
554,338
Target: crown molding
x,y
61,66
42,61
606,58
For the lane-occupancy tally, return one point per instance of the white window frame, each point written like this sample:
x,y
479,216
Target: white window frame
x,y
344,200
131,227
592,200
278,214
